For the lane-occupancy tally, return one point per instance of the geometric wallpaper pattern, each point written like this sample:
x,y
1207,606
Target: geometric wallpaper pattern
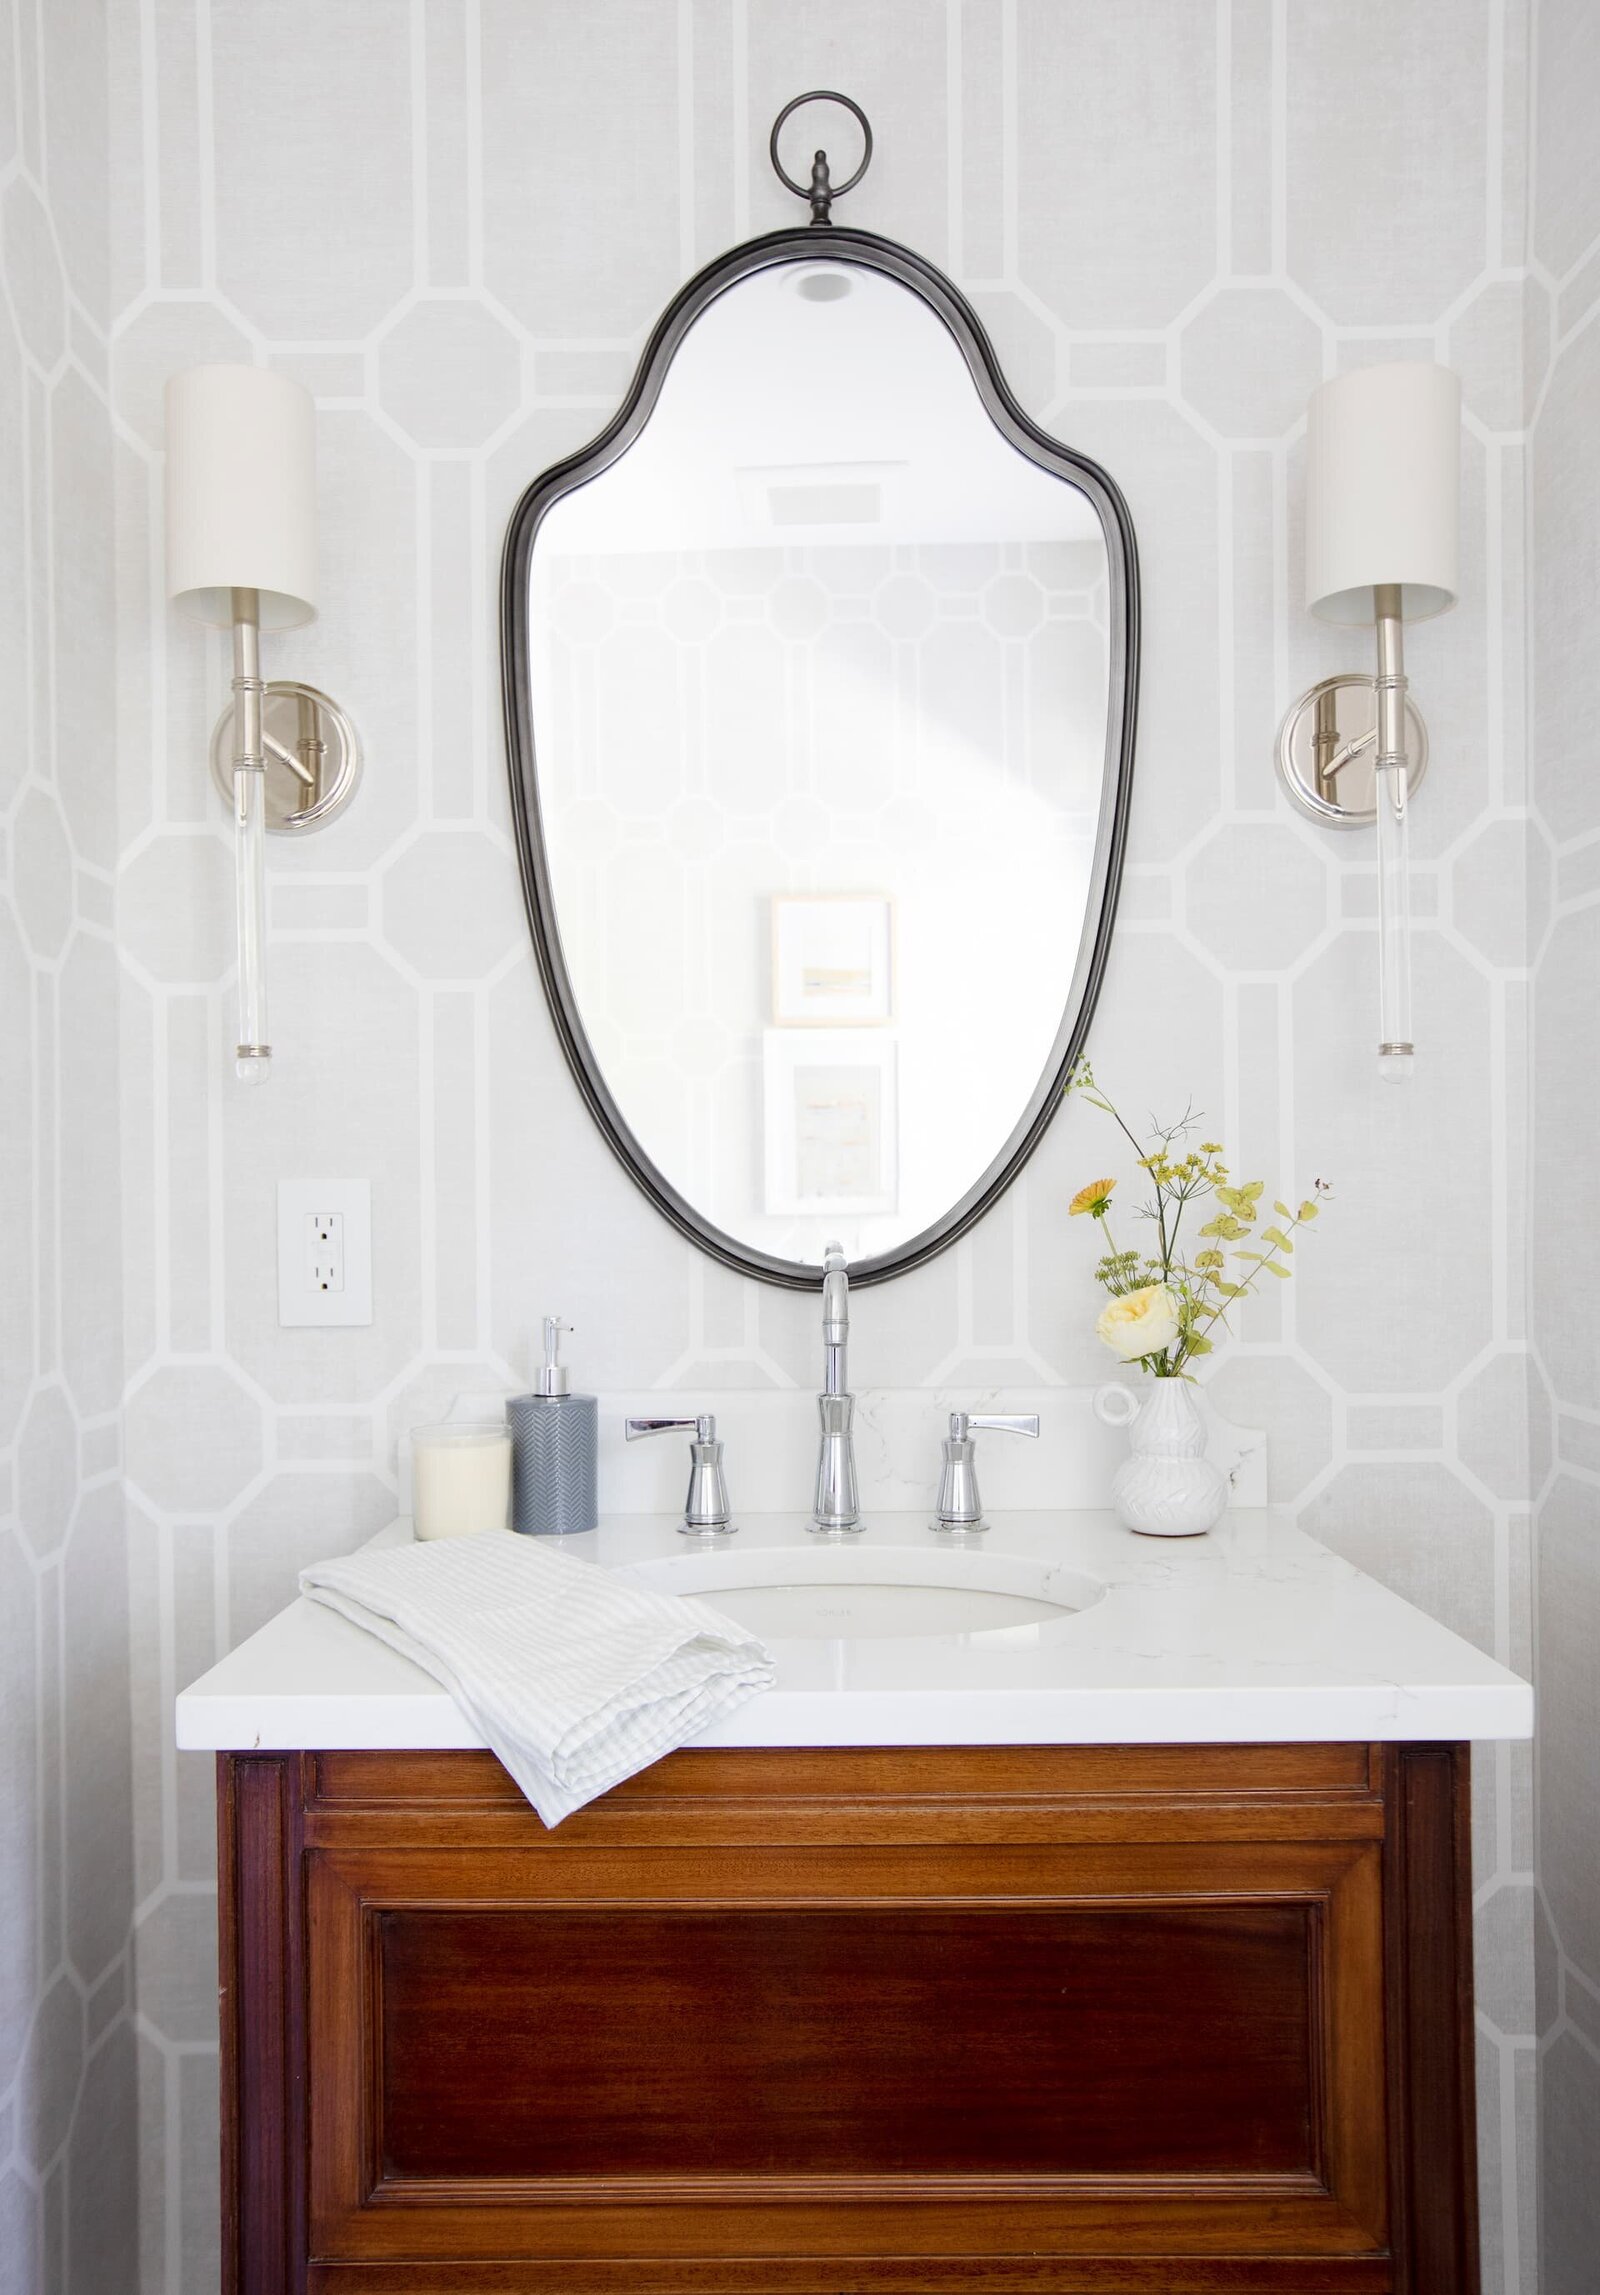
x,y
68,2068
455,221
1564,391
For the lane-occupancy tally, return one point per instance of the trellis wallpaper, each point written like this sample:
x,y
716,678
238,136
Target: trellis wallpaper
x,y
68,2102
455,220
1564,932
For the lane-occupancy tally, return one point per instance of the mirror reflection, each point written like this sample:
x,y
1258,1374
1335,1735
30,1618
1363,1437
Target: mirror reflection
x,y
820,677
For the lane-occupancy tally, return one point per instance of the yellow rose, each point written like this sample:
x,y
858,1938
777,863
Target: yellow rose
x,y
1142,1323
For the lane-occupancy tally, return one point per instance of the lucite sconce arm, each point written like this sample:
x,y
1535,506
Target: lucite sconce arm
x,y
1383,483
241,555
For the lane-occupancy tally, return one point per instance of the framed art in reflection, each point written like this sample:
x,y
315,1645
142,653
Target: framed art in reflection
x,y
832,960
829,1122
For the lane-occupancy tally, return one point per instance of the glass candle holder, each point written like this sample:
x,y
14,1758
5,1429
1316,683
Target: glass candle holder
x,y
460,1479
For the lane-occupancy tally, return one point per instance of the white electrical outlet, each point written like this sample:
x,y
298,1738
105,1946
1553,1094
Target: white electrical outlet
x,y
325,1246
324,1251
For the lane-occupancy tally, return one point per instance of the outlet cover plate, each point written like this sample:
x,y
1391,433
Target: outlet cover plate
x,y
302,1204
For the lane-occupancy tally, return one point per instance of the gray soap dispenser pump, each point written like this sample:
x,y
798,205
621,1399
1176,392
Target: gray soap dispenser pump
x,y
554,1444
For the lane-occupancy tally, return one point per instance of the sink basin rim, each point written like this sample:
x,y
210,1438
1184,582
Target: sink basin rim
x,y
712,1575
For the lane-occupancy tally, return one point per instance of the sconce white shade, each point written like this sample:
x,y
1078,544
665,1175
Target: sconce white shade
x,y
1383,490
241,494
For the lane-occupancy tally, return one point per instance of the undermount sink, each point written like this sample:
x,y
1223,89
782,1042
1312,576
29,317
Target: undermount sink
x,y
873,1592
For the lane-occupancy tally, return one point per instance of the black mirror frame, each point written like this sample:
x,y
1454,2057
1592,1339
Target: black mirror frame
x,y
807,242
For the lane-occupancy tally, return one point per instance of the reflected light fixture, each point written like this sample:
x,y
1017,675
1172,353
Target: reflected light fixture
x,y
1383,484
241,555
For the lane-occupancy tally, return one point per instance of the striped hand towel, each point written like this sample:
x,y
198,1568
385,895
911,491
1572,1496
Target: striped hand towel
x,y
574,1677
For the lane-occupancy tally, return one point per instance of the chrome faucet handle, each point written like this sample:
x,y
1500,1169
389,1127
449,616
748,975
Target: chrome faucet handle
x,y
961,1420
705,1510
959,1507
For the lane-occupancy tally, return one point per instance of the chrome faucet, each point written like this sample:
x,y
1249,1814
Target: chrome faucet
x,y
959,1508
705,1510
836,1509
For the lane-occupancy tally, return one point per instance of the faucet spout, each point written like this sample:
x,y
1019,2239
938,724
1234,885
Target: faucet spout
x,y
835,1296
835,1322
836,1509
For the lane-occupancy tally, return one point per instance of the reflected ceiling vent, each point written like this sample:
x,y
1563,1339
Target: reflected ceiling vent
x,y
825,505
820,282
817,494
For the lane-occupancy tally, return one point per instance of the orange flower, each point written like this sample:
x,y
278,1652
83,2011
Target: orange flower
x,y
1094,1199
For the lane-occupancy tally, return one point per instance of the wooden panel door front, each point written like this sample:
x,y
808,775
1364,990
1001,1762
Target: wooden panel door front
x,y
842,2043
781,2024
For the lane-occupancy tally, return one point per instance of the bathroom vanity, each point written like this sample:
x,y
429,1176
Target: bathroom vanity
x,y
1104,1925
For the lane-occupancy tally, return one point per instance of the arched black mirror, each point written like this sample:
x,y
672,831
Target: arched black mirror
x,y
820,675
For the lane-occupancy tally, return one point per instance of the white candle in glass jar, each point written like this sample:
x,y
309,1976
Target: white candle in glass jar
x,y
460,1479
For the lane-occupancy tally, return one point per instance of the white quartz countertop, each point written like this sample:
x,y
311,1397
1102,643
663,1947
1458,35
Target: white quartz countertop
x,y
1253,1633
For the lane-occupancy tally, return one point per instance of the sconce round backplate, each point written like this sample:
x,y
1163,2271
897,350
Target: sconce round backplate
x,y
1326,746
313,757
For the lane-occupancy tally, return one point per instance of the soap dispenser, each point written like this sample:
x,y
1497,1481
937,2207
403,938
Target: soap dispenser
x,y
553,1446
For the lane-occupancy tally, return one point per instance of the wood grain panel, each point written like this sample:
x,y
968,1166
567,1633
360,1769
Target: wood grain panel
x,y
992,2120
852,2041
866,1795
952,1773
261,2001
1428,1931
358,2211
969,2274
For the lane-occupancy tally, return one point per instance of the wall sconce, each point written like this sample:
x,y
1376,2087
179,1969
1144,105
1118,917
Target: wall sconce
x,y
241,555
1383,486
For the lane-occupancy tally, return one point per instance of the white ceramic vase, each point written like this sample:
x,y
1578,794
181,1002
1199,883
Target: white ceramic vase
x,y
1167,1488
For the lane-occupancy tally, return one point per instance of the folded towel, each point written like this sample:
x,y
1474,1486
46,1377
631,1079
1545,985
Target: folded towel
x,y
575,1678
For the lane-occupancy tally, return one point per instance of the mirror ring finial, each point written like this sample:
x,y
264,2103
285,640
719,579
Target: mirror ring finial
x,y
821,191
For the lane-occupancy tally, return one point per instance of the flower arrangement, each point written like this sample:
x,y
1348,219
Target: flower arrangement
x,y
1168,1301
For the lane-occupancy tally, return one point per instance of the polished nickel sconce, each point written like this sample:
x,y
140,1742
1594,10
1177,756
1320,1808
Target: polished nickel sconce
x,y
241,555
1383,482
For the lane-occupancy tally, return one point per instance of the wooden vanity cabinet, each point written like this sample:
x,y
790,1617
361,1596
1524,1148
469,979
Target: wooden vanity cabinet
x,y
1047,2021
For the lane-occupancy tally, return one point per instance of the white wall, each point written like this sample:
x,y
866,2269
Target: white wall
x,y
68,2107
1564,919
456,221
